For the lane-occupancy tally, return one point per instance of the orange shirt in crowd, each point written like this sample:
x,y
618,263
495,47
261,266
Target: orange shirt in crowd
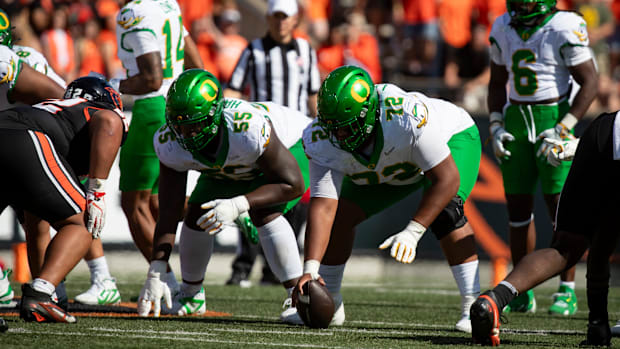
x,y
454,21
329,57
59,50
615,9
318,9
106,40
489,10
419,11
228,55
364,52
192,10
205,44
90,58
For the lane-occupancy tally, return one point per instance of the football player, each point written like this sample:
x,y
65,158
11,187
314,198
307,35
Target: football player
x,y
538,51
372,146
46,147
586,218
103,289
20,83
251,161
154,47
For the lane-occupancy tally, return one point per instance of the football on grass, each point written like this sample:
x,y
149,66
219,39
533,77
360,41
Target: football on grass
x,y
315,306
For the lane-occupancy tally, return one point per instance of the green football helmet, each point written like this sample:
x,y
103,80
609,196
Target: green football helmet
x,y
194,108
525,11
6,36
348,104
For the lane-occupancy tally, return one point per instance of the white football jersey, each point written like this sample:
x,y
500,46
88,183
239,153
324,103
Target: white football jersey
x,y
535,60
38,62
145,26
10,66
248,132
413,132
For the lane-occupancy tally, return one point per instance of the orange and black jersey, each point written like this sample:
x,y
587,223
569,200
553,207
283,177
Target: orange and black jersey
x,y
65,122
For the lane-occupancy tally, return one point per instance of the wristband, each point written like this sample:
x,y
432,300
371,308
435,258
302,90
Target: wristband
x,y
242,203
569,121
415,226
96,184
311,267
494,119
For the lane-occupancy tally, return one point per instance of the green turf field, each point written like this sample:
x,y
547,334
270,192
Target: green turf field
x,y
387,312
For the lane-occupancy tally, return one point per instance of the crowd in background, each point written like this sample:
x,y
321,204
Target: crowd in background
x,y
439,47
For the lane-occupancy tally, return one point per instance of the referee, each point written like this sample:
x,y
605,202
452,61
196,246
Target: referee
x,y
281,69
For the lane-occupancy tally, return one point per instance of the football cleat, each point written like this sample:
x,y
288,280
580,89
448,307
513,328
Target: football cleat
x,y
102,291
485,320
38,307
239,278
290,315
464,324
523,303
598,335
6,291
188,304
564,302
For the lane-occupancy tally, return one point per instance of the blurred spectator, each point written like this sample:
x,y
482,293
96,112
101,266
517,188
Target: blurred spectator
x,y
351,44
600,24
89,56
58,45
197,16
106,40
419,20
455,28
230,45
473,67
317,13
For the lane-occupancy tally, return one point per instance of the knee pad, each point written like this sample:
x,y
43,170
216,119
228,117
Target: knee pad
x,y
451,217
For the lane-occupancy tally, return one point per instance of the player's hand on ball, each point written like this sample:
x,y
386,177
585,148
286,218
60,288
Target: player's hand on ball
x,y
222,212
405,243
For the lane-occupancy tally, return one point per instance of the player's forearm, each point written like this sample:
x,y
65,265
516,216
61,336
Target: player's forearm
x,y
584,98
140,84
445,181
192,56
106,133
321,215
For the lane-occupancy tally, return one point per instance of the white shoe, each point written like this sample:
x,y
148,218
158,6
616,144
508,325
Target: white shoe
x,y
464,324
615,330
188,304
290,315
6,291
102,291
338,318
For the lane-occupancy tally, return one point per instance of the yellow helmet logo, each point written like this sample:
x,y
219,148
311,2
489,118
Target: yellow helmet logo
x,y
4,21
207,92
356,87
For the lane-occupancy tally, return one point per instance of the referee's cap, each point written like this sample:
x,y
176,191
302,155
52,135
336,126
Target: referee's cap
x,y
288,7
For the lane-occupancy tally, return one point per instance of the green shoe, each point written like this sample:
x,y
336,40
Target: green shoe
x,y
564,302
524,303
247,227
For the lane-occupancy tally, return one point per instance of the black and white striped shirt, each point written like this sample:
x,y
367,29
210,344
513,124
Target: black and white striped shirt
x,y
282,73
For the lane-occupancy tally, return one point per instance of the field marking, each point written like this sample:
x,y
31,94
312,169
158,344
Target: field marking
x,y
309,333
202,340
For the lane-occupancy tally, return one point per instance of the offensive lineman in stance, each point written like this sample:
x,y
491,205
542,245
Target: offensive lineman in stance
x,y
372,146
251,160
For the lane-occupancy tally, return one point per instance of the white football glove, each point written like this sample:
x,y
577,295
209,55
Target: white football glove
x,y
404,244
222,212
557,151
153,290
559,132
95,206
499,136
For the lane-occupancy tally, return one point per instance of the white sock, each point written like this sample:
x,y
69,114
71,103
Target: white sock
x,y
333,274
190,289
98,268
570,284
289,291
280,249
195,249
467,277
43,286
170,279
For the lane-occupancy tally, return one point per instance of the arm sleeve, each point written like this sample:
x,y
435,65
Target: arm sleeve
x,y
324,183
140,42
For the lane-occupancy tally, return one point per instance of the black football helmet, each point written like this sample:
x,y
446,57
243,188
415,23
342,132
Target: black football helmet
x,y
95,89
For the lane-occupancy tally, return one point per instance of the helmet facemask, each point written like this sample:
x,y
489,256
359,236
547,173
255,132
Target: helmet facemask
x,y
196,131
527,12
347,107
